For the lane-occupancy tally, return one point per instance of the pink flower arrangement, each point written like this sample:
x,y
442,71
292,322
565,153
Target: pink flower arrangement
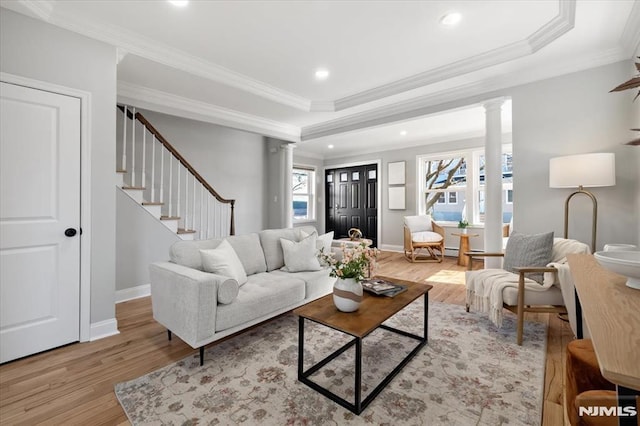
x,y
357,262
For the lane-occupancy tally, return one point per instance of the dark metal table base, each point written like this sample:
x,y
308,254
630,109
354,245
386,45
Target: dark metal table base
x,y
359,405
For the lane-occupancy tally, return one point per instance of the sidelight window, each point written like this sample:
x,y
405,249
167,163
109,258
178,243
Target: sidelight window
x,y
303,188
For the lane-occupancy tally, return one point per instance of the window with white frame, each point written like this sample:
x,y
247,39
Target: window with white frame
x,y
460,175
303,188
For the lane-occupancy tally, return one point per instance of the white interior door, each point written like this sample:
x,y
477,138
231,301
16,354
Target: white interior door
x,y
39,201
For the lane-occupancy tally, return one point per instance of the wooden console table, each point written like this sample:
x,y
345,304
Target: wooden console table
x,y
612,313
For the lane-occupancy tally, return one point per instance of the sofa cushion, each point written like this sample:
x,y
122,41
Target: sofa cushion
x,y
270,241
552,296
187,253
263,294
426,237
224,261
316,283
300,256
249,250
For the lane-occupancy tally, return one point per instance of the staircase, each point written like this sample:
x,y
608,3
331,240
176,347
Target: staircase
x,y
162,182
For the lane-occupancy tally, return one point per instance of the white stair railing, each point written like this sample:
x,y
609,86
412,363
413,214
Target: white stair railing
x,y
179,188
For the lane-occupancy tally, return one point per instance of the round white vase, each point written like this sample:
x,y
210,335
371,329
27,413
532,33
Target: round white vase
x,y
347,294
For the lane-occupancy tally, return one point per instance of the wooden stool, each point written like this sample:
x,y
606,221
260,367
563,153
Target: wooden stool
x,y
582,375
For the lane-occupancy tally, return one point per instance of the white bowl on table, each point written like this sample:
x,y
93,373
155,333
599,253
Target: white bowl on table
x,y
625,263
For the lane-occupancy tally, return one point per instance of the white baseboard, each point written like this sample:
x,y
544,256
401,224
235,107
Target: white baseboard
x,y
137,292
102,329
390,247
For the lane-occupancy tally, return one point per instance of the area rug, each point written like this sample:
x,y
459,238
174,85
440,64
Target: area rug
x,y
469,373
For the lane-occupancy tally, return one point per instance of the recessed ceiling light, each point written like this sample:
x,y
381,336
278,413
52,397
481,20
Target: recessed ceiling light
x,y
330,146
451,19
322,74
179,3
403,133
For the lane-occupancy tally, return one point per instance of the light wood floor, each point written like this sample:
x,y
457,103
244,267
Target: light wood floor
x,y
74,384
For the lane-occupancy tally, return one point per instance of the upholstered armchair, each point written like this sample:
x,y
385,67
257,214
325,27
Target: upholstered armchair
x,y
534,278
423,239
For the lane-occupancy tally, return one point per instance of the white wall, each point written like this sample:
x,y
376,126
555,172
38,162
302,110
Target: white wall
x,y
36,50
140,240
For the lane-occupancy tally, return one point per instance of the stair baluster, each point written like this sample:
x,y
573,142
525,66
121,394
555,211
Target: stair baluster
x,y
143,175
193,210
170,185
133,151
153,169
124,140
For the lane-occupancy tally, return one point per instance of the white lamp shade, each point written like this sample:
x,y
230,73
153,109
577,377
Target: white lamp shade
x,y
587,170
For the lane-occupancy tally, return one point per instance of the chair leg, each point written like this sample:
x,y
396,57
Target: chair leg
x,y
520,326
467,307
201,356
169,334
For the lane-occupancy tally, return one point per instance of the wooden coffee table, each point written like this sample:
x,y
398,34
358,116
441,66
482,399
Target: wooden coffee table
x,y
373,311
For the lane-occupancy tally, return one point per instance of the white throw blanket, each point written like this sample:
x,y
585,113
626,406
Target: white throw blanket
x,y
485,287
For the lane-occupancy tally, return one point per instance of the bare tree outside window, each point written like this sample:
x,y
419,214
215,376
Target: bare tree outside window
x,y
441,175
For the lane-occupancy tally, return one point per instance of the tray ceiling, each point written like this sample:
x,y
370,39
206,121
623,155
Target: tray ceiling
x,y
250,64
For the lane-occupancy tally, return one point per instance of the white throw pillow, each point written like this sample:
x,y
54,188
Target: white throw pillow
x,y
223,260
324,241
300,256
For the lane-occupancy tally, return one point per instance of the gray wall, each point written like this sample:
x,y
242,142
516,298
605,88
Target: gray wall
x,y
571,114
575,114
140,240
234,163
36,50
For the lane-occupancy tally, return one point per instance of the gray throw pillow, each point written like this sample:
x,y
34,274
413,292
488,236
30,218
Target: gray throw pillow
x,y
528,250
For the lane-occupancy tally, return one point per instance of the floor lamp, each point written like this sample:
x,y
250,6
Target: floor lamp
x,y
582,171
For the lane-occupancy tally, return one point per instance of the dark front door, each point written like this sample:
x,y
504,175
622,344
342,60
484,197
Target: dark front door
x,y
352,201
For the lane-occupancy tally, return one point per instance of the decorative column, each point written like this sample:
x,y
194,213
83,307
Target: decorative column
x,y
493,181
287,194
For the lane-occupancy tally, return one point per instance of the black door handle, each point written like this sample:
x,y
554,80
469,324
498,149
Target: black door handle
x,y
70,232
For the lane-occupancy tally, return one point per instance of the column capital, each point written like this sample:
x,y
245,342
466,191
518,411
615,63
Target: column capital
x,y
288,146
494,104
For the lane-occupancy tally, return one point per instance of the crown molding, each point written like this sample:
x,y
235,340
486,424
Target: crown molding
x,y
559,25
323,106
476,92
549,32
150,49
153,50
156,100
43,9
630,39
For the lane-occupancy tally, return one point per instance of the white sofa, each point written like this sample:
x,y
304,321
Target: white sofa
x,y
186,300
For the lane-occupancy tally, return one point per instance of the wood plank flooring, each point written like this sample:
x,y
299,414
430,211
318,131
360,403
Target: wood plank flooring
x,y
74,384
